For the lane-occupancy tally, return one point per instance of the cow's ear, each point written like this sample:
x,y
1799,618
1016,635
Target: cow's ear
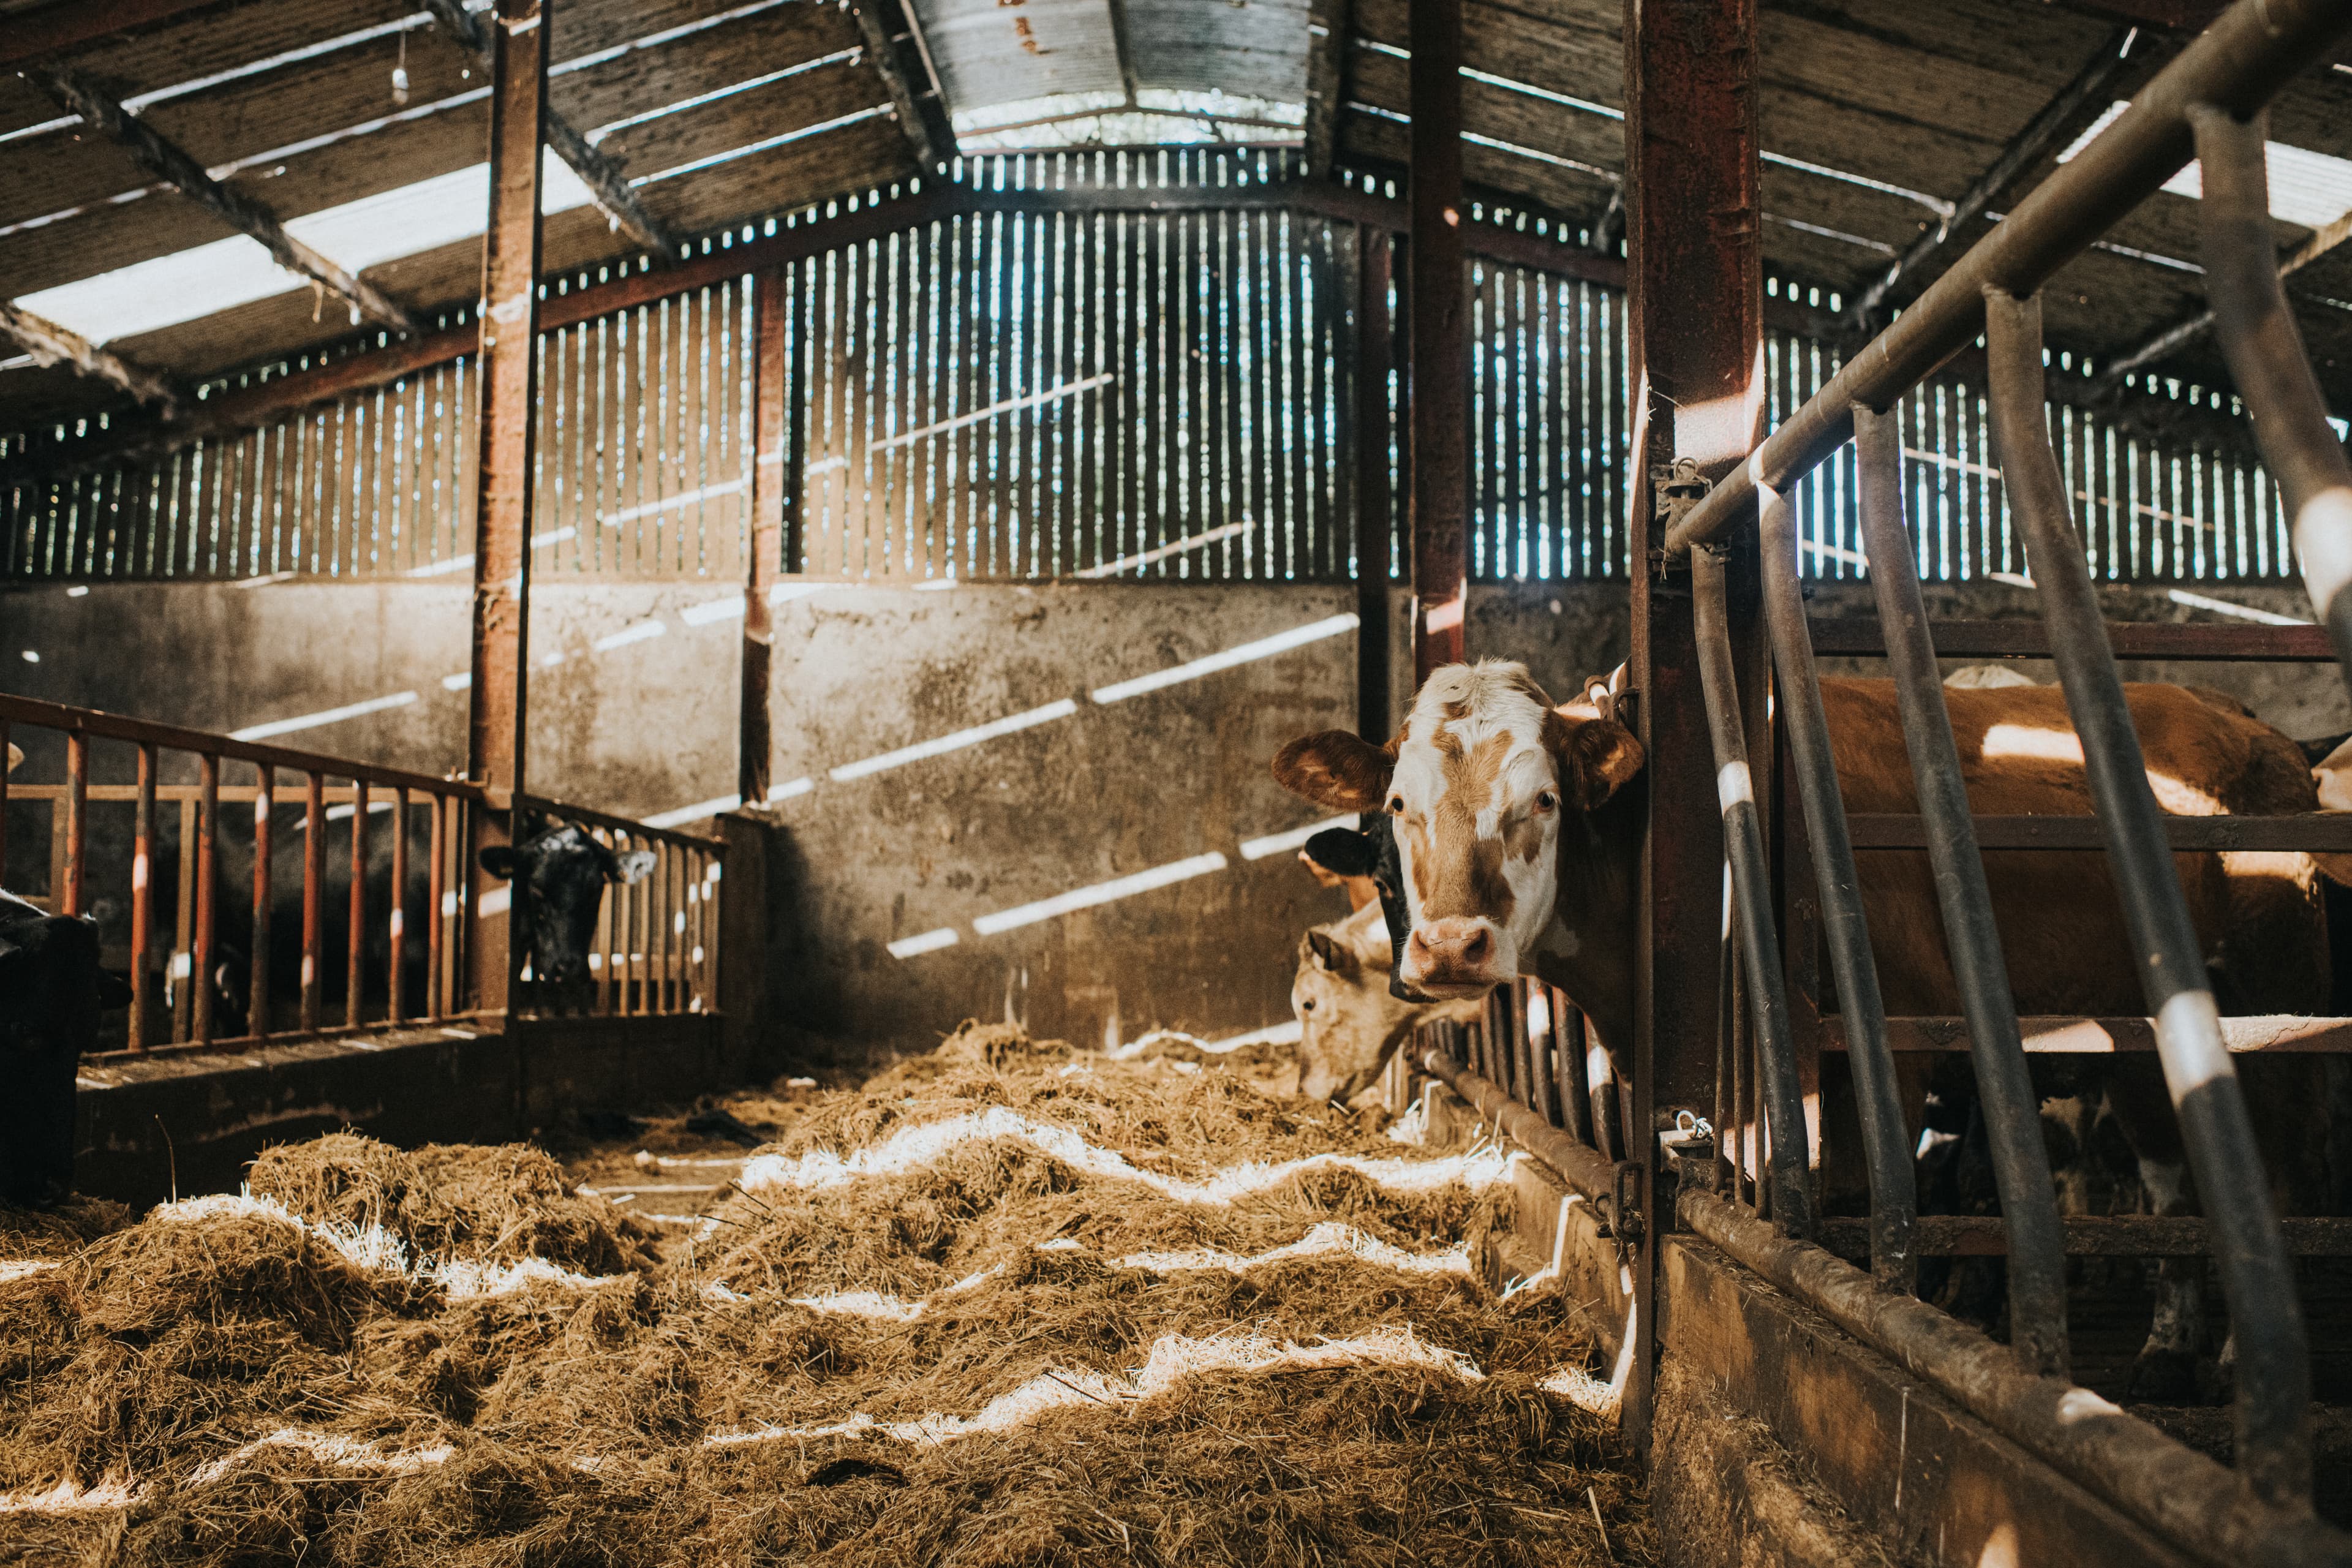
x,y
1343,852
500,860
1337,770
1330,953
1596,757
113,988
633,866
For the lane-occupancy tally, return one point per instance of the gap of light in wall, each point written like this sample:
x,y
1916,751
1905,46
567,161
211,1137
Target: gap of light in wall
x,y
1296,838
957,742
329,716
1264,648
2224,607
2312,189
1178,547
1101,893
187,285
928,941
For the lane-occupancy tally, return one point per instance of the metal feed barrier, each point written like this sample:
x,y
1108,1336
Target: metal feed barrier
x,y
1748,1192
656,951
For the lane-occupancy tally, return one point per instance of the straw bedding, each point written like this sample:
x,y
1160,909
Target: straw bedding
x,y
1162,1319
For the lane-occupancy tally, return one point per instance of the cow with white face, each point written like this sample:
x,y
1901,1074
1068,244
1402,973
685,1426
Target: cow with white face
x,y
1507,812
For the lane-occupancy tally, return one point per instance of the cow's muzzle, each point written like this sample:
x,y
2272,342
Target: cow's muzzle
x,y
1457,957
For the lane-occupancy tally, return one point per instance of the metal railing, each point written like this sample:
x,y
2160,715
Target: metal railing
x,y
2208,101
137,839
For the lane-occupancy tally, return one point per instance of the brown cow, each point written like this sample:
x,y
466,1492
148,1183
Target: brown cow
x,y
1519,855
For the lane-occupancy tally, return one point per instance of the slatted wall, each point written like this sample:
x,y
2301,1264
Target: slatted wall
x,y
1050,393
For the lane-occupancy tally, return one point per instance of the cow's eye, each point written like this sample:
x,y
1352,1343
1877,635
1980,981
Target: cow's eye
x,y
1396,805
1307,1005
1547,801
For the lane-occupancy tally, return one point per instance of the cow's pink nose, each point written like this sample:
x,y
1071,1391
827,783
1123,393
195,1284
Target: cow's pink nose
x,y
1457,947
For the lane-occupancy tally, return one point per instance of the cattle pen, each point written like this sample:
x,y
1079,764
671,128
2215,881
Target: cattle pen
x,y
685,682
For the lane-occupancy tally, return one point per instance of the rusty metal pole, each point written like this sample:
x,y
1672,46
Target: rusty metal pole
x,y
1373,482
755,735
1438,347
509,369
1694,328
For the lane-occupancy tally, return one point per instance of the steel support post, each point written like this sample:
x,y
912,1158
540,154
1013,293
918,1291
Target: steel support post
x,y
2029,1204
1694,328
2274,1369
1439,340
509,369
1373,481
770,481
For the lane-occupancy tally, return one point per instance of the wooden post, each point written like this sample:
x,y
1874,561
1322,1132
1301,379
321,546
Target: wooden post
x,y
1439,340
770,482
1694,328
509,369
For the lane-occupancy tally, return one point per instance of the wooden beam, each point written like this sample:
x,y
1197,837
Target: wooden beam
x,y
1695,305
1438,352
2056,122
496,727
775,485
50,343
601,175
1371,486
879,23
1330,25
2162,345
165,161
64,25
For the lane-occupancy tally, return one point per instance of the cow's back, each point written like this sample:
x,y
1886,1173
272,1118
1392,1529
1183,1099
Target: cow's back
x,y
2258,915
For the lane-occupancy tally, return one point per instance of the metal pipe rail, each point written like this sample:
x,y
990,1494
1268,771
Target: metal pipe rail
x,y
1886,1146
2239,63
1751,894
2037,1269
2274,1372
2267,362
657,940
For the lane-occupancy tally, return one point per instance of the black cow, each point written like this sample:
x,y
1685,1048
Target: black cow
x,y
566,871
52,994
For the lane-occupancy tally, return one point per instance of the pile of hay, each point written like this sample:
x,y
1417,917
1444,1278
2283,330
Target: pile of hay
x,y
1013,1304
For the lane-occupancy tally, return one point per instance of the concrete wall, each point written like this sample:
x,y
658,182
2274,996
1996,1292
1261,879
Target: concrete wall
x,y
647,725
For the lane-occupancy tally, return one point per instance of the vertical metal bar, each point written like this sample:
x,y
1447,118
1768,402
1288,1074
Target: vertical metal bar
x,y
1439,346
142,892
200,965
437,919
1576,1089
1543,1027
69,899
4,803
1894,1194
755,743
507,372
257,1007
1760,946
396,918
2037,1264
2267,362
1370,488
355,932
2273,1371
314,876
184,928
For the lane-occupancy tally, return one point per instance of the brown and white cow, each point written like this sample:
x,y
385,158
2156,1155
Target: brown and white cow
x,y
1348,1023
1519,844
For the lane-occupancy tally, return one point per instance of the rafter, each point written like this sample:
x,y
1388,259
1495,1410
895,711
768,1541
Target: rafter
x,y
2162,345
165,161
927,134
50,343
2077,105
69,24
1329,24
602,175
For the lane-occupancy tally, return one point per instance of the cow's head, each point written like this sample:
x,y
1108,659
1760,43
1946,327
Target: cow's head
x,y
1477,785
52,989
565,870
